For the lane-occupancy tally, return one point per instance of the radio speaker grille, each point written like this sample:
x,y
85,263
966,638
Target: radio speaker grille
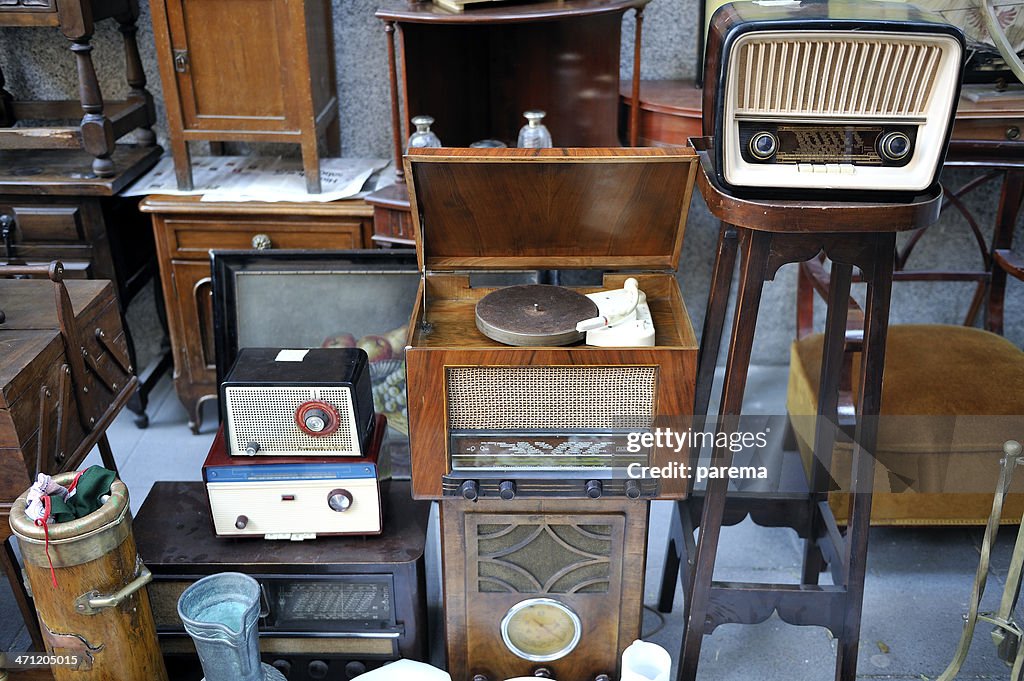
x,y
550,398
866,75
267,416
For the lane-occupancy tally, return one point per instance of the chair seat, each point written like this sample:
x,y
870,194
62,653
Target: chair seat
x,y
935,377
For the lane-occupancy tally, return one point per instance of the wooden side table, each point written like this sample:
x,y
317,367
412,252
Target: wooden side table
x,y
771,234
104,122
187,229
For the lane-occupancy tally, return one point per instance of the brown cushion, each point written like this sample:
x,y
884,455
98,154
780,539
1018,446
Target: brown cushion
x,y
938,379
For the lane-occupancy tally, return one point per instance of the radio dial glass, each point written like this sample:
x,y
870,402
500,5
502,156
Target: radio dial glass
x,y
541,629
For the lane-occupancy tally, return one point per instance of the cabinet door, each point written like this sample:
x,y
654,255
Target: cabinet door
x,y
232,60
193,300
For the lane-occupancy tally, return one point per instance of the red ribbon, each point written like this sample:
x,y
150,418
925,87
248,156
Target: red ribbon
x,y
46,534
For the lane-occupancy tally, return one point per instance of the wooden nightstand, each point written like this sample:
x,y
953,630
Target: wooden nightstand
x,y
247,71
187,229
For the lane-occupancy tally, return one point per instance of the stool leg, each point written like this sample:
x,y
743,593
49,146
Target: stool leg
x,y
1010,202
97,132
311,163
876,327
698,597
828,406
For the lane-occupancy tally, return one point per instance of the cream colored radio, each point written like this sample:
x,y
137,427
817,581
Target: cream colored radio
x,y
836,95
297,498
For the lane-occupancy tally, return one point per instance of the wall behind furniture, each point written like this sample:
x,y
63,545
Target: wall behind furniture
x,y
37,64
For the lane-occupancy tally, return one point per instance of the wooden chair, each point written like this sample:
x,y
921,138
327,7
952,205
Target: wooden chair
x,y
936,469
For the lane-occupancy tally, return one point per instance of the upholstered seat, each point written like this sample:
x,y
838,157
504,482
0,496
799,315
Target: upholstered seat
x,y
935,468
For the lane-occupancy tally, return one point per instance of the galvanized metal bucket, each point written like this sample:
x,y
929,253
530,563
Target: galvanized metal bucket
x,y
221,613
98,613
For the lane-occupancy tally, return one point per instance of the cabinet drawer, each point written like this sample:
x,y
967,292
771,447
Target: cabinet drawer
x,y
195,239
989,129
49,224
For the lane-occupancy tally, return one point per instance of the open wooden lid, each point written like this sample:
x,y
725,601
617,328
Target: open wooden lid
x,y
492,209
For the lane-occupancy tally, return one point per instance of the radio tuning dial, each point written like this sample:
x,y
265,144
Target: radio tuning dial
x,y
241,522
507,490
594,489
339,500
632,489
763,145
317,419
894,146
469,490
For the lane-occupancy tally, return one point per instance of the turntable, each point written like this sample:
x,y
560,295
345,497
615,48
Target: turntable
x,y
506,397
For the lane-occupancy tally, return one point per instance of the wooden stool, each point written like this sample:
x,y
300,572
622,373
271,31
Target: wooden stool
x,y
771,234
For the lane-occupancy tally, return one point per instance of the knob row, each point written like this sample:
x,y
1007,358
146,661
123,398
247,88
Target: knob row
x,y
470,489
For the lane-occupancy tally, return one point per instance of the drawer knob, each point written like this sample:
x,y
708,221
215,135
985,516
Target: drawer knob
x,y
1013,133
261,242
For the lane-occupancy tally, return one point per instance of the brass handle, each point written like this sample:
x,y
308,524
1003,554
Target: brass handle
x,y
261,242
181,61
91,603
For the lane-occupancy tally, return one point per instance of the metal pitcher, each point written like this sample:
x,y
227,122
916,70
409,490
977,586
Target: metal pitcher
x,y
220,613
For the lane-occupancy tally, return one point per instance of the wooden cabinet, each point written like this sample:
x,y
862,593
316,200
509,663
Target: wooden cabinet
x,y
247,71
186,230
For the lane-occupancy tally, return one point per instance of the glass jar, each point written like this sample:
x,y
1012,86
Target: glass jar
x,y
534,135
423,137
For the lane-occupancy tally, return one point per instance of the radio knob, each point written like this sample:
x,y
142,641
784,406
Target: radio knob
x,y
543,673
339,500
252,448
354,669
315,420
632,489
763,145
317,669
241,521
594,489
469,490
507,490
283,666
894,146
602,677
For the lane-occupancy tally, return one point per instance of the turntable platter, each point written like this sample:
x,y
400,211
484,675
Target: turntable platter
x,y
533,315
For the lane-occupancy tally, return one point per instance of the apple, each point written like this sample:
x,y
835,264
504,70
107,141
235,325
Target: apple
x,y
342,340
376,347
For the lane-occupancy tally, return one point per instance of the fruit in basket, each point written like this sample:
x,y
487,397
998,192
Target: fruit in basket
x,y
342,340
377,347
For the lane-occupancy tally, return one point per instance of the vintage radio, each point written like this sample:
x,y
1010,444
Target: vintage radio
x,y
843,96
284,402
335,607
549,584
297,498
489,419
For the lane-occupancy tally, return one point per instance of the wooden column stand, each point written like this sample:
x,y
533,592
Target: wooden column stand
x,y
103,123
770,234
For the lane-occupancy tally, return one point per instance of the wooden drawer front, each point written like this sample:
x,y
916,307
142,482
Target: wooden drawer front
x,y
28,6
195,239
47,223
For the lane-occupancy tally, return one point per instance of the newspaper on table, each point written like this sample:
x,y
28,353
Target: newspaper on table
x,y
248,178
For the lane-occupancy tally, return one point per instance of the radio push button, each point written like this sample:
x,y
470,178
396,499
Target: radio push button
x,y
339,500
594,489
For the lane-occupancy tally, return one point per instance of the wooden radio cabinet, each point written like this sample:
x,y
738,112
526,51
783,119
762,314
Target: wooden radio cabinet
x,y
248,71
187,229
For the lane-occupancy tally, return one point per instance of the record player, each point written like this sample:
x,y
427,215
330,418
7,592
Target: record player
x,y
506,400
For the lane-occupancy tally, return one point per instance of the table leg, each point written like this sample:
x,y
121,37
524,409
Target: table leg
x,y
876,327
1010,203
707,359
827,413
756,249
97,132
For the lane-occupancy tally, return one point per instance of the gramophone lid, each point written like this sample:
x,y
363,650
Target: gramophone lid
x,y
492,209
